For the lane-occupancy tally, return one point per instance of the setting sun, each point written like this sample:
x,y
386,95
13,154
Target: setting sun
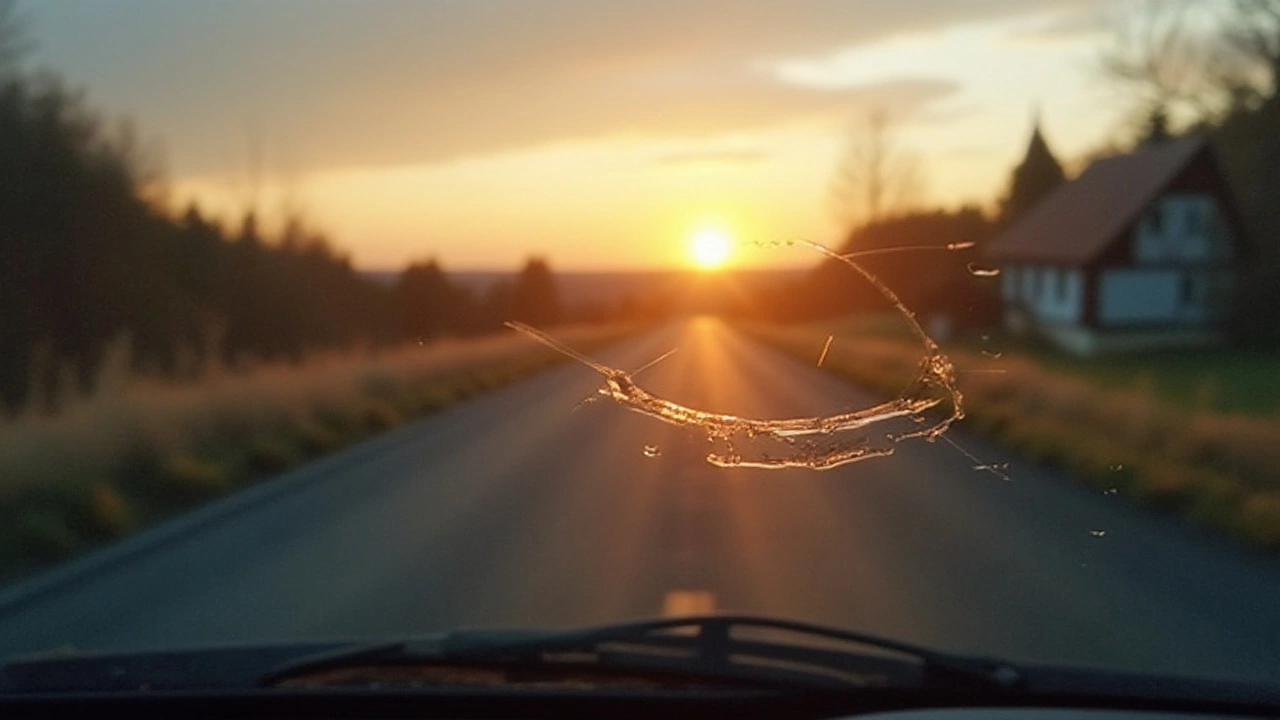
x,y
709,247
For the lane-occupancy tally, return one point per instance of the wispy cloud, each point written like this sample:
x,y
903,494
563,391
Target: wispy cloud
x,y
1066,26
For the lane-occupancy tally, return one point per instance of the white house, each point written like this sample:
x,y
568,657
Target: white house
x,y
1140,251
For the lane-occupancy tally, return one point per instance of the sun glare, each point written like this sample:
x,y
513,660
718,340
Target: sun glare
x,y
709,247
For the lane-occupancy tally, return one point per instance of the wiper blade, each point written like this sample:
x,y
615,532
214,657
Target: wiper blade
x,y
713,646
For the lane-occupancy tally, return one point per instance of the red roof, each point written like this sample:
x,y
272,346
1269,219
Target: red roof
x,y
1080,219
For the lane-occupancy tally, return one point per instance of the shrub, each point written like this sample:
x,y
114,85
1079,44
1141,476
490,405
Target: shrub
x,y
46,534
271,453
1215,501
109,513
1259,519
185,479
436,395
379,416
342,421
314,438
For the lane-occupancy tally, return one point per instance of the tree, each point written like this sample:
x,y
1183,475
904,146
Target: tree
x,y
1253,32
430,304
1151,57
925,280
1183,64
875,178
1033,179
535,298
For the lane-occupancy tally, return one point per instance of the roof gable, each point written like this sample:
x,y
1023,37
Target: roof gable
x,y
1080,219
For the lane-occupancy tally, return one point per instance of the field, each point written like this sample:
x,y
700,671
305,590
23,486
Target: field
x,y
1221,380
1121,432
1226,380
138,450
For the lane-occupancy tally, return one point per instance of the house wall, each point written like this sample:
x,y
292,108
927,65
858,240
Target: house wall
x,y
1172,296
1051,294
1059,297
1139,297
1177,271
1184,228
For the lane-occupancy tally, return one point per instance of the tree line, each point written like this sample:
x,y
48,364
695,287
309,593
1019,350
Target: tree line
x,y
87,256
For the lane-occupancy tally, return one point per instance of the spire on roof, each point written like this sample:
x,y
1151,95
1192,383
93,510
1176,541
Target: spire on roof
x,y
1035,177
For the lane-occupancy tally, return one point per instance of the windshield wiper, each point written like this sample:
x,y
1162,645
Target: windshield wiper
x,y
714,665
726,647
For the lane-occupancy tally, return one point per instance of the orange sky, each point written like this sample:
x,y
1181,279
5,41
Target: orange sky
x,y
598,134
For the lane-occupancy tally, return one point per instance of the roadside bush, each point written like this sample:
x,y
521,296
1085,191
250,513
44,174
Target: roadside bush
x,y
185,480
1260,519
269,453
46,534
314,438
379,416
342,421
109,513
1216,502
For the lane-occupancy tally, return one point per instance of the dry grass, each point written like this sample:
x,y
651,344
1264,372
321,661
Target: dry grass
x,y
1222,470
138,449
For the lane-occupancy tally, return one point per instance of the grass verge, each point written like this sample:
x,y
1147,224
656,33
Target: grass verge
x,y
140,451
1221,470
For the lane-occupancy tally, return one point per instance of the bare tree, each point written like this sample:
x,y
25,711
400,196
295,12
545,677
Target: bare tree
x,y
1159,62
875,178
1190,62
1253,32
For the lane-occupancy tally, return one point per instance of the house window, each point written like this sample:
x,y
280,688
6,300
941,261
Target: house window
x,y
1195,220
1190,290
1051,282
1009,282
1062,285
1155,218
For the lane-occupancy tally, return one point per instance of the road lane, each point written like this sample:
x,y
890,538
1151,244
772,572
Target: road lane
x,y
517,509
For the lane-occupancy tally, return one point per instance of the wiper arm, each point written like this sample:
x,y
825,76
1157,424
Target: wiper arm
x,y
702,645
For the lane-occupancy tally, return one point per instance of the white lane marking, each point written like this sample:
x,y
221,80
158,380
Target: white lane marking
x,y
679,603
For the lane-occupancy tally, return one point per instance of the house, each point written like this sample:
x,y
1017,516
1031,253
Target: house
x,y
1140,251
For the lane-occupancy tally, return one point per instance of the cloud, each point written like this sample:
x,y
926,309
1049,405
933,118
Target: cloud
x,y
397,82
1066,26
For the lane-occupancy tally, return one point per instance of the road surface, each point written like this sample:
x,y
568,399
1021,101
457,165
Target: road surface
x,y
516,509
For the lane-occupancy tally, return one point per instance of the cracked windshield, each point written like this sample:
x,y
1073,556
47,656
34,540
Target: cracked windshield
x,y
952,323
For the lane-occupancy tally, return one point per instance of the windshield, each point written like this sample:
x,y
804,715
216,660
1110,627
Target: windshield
x,y
952,323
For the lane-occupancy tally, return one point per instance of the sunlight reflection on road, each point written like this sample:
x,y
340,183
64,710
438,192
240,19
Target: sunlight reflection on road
x,y
818,442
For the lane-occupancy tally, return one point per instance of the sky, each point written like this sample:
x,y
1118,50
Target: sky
x,y
602,135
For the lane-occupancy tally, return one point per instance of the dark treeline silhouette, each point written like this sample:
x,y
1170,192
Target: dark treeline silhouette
x,y
1248,141
929,281
430,304
87,258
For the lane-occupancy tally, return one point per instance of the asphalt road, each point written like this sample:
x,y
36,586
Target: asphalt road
x,y
516,509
